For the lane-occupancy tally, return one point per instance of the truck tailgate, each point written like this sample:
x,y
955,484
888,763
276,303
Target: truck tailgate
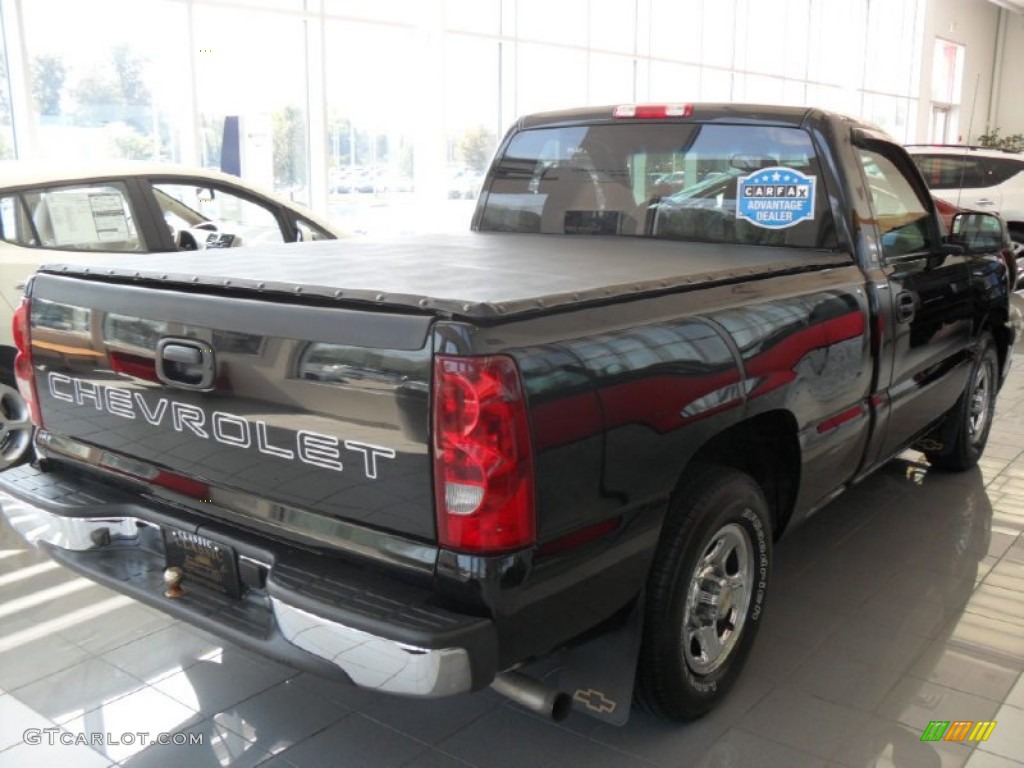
x,y
296,414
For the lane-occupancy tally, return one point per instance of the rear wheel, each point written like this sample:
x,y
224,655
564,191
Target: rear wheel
x,y
966,429
705,593
15,427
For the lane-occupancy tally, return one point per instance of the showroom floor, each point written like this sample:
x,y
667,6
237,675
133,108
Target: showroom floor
x,y
900,604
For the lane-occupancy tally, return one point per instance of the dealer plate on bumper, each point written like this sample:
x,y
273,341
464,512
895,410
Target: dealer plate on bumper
x,y
203,561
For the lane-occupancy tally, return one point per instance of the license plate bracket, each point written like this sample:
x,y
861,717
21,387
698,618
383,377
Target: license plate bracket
x,y
203,561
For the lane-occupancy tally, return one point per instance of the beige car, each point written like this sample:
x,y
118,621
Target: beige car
x,y
53,214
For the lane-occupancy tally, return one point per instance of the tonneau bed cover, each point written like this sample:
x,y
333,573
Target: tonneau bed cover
x,y
473,275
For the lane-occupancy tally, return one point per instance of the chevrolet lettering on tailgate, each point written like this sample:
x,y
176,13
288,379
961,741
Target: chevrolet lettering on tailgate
x,y
310,447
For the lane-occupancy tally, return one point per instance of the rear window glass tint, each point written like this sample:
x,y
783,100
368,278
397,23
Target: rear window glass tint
x,y
667,181
952,172
1003,169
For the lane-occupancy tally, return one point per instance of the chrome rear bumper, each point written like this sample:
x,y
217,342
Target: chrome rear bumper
x,y
368,660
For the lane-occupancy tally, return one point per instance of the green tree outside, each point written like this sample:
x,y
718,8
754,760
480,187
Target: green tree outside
x,y
48,76
117,93
475,147
289,130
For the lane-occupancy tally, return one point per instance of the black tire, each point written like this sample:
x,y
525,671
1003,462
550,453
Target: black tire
x,y
965,430
15,428
718,526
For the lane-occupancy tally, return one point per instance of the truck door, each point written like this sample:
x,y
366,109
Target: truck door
x,y
927,328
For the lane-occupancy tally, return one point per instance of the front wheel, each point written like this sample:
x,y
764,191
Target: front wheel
x,y
966,429
705,593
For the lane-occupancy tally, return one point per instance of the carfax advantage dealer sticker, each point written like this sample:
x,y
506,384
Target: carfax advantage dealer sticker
x,y
776,197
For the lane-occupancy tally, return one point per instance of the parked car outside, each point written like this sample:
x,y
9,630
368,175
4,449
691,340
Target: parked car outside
x,y
53,214
464,183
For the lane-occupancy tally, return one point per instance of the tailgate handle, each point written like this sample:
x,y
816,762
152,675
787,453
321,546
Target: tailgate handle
x,y
178,353
186,363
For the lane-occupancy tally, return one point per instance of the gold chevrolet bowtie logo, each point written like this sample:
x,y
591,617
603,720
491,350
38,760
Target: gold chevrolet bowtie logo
x,y
595,701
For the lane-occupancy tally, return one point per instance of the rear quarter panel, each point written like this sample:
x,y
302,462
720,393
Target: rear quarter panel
x,y
623,396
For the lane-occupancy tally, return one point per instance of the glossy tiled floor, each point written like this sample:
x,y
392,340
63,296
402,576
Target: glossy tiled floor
x,y
901,603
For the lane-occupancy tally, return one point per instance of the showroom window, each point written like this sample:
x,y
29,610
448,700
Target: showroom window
x,y
471,125
374,119
673,34
6,115
536,89
107,94
341,71
947,76
481,16
258,77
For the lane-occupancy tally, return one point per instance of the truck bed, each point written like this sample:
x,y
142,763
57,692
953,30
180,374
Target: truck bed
x,y
472,275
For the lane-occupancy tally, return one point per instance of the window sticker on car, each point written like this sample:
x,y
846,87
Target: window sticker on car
x,y
775,198
80,218
71,218
108,216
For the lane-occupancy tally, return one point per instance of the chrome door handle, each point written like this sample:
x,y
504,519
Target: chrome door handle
x,y
984,201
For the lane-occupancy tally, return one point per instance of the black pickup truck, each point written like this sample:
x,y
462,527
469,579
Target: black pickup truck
x,y
575,432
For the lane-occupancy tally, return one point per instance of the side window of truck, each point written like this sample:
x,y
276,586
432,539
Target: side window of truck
x,y
902,217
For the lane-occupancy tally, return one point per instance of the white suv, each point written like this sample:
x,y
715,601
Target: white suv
x,y
977,178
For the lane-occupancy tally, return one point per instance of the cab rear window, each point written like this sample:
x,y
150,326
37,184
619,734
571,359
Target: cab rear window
x,y
718,183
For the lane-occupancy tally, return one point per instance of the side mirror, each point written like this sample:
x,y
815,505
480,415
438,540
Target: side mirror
x,y
978,232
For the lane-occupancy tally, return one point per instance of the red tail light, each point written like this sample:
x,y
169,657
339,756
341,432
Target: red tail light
x,y
483,466
23,360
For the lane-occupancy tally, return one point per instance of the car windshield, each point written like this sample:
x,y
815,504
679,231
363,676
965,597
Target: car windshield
x,y
707,182
173,207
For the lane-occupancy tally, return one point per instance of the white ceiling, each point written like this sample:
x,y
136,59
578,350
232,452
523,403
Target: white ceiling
x,y
1013,5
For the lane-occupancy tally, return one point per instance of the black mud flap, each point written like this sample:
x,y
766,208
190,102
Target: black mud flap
x,y
599,674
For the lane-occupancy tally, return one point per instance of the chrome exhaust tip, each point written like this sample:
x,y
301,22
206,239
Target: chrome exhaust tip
x,y
534,694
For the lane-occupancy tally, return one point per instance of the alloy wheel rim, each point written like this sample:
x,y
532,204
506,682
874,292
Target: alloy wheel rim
x,y
981,396
15,426
718,598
